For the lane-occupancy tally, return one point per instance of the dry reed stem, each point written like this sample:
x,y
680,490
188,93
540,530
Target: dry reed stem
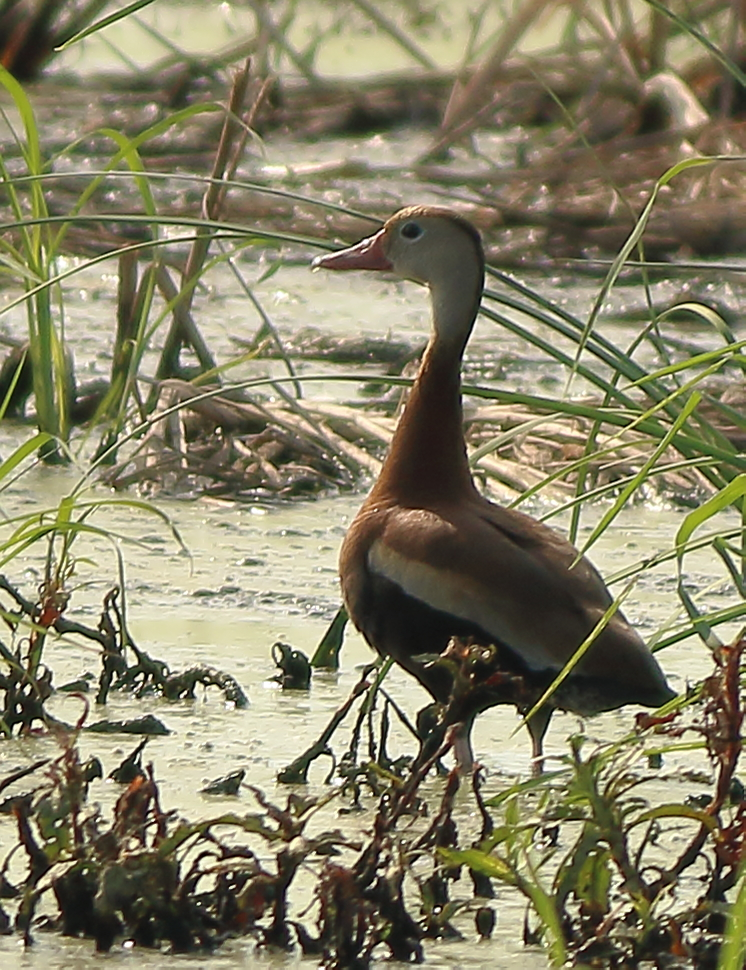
x,y
468,98
183,329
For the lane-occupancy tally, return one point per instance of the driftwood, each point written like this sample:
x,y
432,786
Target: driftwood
x,y
208,444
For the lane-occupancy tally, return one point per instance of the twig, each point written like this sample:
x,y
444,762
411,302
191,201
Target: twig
x,y
466,99
183,329
297,772
373,12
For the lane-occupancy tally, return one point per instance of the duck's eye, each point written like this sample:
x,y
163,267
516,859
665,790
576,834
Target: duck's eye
x,y
411,230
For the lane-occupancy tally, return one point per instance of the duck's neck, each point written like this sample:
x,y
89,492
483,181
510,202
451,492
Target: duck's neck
x,y
427,460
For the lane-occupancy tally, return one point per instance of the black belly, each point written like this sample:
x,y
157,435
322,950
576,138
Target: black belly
x,y
400,626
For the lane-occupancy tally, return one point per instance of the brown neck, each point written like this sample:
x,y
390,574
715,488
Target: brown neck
x,y
427,459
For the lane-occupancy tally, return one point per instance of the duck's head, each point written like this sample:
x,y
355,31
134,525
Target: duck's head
x,y
426,244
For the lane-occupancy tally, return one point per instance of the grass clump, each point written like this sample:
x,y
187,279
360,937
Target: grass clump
x,y
601,862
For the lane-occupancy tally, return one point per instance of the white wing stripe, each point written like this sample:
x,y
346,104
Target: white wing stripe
x,y
452,593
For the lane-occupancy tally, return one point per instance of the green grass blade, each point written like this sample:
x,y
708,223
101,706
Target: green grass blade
x,y
632,241
568,326
583,648
727,496
23,451
327,652
698,35
642,475
104,22
733,950
705,313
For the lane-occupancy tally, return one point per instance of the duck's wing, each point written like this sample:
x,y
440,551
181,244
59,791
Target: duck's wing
x,y
517,580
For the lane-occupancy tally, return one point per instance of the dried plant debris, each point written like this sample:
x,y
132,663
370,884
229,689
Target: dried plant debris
x,y
548,166
148,877
549,179
527,447
310,343
205,443
26,682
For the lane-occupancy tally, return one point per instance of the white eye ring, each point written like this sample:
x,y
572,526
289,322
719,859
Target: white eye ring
x,y
411,230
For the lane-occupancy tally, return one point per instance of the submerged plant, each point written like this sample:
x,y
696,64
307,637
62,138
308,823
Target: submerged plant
x,y
587,847
146,876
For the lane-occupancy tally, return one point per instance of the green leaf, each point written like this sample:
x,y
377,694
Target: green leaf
x,y
484,863
706,313
733,950
129,153
694,31
327,652
719,356
23,451
726,497
104,22
32,151
579,653
633,240
640,477
256,824
525,786
676,810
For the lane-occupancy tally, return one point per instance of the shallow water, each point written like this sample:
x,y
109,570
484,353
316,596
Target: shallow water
x,y
258,575
267,572
349,48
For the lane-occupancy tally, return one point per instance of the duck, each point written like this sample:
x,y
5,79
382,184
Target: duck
x,y
429,565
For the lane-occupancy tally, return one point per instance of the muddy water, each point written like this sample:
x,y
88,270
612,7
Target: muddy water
x,y
261,573
258,575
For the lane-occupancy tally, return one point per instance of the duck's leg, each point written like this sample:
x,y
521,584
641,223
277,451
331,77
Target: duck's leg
x,y
537,727
434,728
431,732
462,749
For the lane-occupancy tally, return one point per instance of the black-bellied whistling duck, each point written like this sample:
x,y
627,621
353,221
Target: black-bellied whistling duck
x,y
427,558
